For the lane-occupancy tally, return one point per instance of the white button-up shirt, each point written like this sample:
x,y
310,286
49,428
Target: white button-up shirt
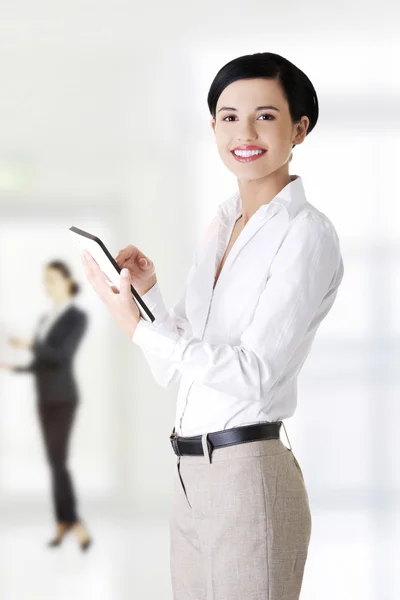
x,y
236,350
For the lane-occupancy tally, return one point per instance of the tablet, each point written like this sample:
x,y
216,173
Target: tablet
x,y
107,264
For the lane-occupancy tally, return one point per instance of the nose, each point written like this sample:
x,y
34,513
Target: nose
x,y
247,133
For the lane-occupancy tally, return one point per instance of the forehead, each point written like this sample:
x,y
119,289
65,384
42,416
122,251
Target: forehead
x,y
50,272
249,93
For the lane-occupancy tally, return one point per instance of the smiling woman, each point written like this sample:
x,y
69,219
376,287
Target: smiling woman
x,y
264,277
240,117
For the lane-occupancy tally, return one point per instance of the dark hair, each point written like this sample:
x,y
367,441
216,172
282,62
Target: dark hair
x,y
297,88
62,268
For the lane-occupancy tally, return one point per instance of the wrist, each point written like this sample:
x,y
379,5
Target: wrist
x,y
151,284
132,329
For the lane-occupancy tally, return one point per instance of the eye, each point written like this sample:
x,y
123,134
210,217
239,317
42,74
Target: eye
x,y
267,115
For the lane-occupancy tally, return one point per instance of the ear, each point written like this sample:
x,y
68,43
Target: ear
x,y
300,130
212,123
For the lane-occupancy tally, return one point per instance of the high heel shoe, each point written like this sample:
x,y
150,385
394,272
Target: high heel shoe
x,y
86,544
57,541
83,537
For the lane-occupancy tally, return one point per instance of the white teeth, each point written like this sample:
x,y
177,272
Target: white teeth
x,y
247,153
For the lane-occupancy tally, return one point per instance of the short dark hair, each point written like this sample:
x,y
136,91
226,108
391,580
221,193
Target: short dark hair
x,y
297,88
62,268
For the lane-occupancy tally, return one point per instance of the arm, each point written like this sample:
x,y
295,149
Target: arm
x,y
31,367
65,350
20,343
164,372
302,284
7,367
27,369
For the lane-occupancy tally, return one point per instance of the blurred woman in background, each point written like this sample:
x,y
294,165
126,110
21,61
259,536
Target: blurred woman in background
x,y
55,343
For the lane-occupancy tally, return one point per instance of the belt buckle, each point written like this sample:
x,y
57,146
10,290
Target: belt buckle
x,y
174,442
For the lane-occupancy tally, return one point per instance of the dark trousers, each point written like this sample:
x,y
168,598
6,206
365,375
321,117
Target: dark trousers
x,y
56,424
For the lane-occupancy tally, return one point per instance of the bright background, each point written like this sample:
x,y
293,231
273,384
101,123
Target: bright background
x,y
104,125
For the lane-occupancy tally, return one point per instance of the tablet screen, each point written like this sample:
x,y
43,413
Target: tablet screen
x,y
108,265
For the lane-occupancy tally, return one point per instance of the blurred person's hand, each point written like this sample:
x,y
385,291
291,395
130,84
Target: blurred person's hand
x,y
5,367
17,342
120,302
140,267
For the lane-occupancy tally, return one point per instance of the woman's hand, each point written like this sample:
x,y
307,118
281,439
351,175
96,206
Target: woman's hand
x,y
120,303
17,342
141,268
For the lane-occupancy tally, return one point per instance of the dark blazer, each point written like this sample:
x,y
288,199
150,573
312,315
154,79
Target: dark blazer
x,y
52,358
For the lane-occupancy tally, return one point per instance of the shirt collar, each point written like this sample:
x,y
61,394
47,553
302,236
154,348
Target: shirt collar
x,y
64,307
292,197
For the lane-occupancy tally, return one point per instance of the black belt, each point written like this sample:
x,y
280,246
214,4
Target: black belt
x,y
227,437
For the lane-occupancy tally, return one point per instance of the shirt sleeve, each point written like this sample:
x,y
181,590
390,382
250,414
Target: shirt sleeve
x,y
25,369
304,274
164,371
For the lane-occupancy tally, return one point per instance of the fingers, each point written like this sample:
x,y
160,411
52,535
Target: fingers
x,y
95,276
144,263
125,285
125,253
133,254
125,291
121,261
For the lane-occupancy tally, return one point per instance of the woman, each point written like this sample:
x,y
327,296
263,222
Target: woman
x,y
56,341
263,278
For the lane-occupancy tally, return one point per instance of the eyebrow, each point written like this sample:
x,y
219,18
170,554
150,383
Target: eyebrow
x,y
258,108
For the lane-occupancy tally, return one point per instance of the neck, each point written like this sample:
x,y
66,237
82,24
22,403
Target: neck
x,y
255,193
58,302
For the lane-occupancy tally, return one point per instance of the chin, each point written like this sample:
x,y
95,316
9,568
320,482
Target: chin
x,y
247,171
250,174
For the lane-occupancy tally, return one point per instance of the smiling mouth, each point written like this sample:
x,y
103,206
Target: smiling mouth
x,y
247,155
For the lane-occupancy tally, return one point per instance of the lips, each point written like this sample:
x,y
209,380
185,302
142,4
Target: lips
x,y
247,153
247,147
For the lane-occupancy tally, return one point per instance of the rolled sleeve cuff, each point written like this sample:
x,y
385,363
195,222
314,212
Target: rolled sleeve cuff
x,y
155,339
154,300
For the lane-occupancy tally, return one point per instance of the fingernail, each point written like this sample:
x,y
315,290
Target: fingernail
x,y
125,273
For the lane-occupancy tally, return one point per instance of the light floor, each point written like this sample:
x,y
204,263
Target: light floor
x,y
130,559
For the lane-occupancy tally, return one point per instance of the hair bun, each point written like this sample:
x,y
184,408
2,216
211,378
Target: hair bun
x,y
75,287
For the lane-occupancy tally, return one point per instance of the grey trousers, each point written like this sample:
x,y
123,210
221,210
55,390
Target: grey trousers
x,y
240,524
